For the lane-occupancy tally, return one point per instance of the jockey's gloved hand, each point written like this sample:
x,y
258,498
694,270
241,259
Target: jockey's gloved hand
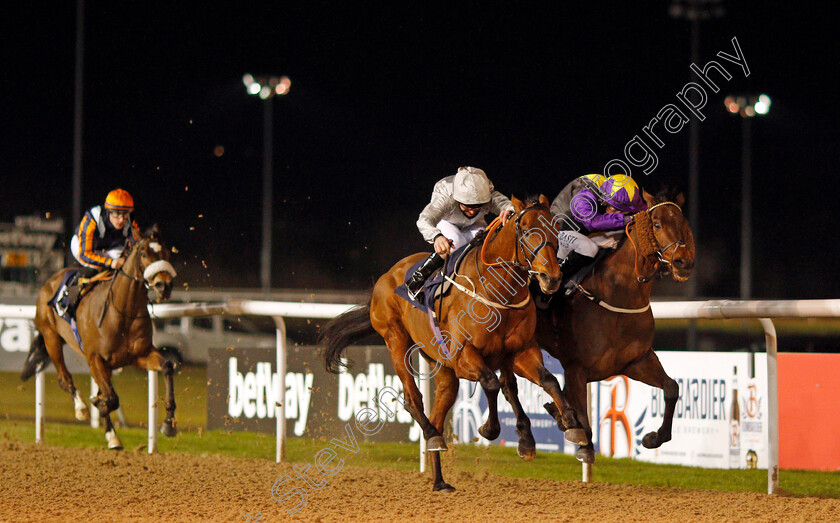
x,y
442,245
117,263
506,215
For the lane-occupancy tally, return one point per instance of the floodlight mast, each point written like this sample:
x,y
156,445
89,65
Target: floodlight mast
x,y
267,88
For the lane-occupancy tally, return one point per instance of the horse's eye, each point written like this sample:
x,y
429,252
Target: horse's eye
x,y
657,225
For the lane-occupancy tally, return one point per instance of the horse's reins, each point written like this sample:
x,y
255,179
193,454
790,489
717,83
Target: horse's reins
x,y
640,278
495,227
121,272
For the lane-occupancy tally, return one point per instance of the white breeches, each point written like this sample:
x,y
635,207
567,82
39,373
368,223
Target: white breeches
x,y
460,236
568,241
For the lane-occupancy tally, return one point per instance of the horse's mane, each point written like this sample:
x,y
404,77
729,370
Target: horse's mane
x,y
532,200
667,193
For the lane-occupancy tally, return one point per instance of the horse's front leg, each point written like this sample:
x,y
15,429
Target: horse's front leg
x,y
472,367
529,365
576,394
157,362
648,370
106,400
527,449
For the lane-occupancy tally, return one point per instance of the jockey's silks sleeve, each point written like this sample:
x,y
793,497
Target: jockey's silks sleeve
x,y
134,232
87,233
586,211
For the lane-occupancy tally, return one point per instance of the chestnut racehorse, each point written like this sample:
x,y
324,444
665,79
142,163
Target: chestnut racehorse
x,y
489,324
606,329
115,328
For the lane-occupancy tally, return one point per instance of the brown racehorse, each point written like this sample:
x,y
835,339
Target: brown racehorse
x,y
488,322
611,333
115,328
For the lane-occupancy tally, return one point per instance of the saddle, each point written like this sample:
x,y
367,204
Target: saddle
x,y
62,300
436,285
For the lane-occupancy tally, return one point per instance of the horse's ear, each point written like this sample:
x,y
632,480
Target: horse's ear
x,y
153,232
517,204
649,198
680,199
544,201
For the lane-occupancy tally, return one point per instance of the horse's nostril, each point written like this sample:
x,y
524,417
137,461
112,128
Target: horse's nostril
x,y
679,263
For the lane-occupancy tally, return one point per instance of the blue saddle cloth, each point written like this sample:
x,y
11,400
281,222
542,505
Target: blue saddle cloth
x,y
61,303
434,281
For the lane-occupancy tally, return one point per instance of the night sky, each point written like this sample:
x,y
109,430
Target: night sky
x,y
386,99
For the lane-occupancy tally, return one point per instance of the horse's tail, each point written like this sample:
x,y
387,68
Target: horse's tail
x,y
37,360
343,331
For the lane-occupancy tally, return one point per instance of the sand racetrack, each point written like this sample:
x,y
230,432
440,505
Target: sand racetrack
x,y
43,483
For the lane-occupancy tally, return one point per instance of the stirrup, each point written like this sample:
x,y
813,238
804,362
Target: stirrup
x,y
416,295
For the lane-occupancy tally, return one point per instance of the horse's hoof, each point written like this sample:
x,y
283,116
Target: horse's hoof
x,y
83,414
436,444
168,429
569,419
527,451
443,487
577,436
651,440
585,455
114,442
489,433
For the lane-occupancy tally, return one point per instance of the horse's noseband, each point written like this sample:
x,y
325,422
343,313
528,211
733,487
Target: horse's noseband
x,y
663,264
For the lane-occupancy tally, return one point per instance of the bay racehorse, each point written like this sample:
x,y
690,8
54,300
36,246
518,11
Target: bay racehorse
x,y
487,324
606,328
115,329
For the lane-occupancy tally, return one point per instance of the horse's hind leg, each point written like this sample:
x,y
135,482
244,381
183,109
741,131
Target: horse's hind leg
x,y
397,341
648,370
529,365
55,348
527,449
446,392
157,362
106,400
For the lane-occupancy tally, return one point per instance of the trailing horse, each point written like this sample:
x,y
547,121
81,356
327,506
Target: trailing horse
x,y
487,324
115,330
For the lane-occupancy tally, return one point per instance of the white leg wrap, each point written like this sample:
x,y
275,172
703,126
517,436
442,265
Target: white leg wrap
x,y
82,412
114,442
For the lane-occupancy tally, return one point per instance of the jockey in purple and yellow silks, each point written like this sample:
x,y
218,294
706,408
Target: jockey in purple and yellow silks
x,y
100,238
597,211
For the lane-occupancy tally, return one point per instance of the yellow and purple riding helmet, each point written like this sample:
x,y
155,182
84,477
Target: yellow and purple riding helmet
x,y
623,193
597,180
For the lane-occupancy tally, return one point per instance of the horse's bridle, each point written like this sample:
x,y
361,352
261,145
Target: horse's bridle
x,y
661,251
517,247
142,280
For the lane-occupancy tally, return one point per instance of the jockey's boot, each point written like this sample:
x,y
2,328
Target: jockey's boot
x,y
415,284
574,262
74,291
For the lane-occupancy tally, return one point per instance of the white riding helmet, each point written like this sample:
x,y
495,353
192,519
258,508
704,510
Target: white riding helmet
x,y
471,186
